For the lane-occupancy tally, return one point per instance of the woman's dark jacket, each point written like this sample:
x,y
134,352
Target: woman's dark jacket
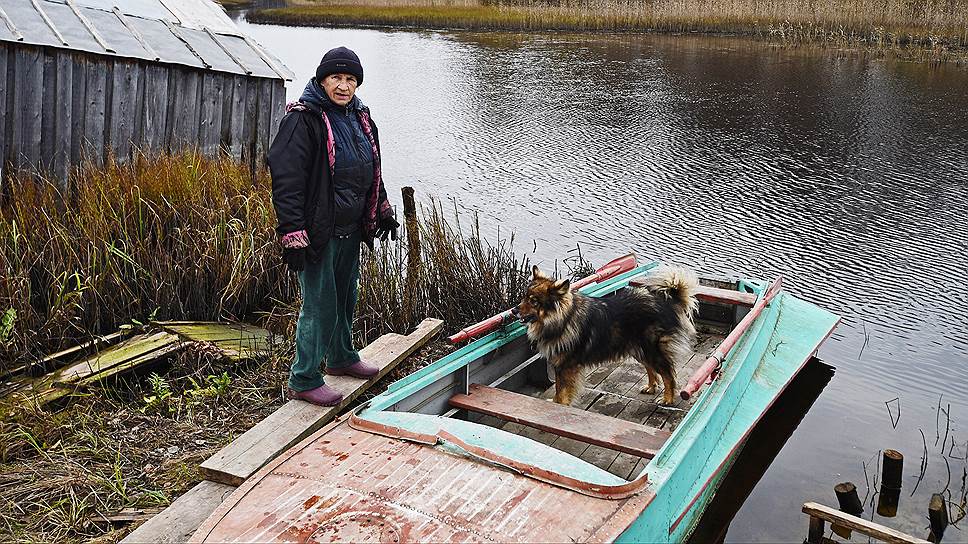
x,y
303,189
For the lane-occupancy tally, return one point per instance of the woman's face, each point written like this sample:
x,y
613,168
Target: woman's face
x,y
340,88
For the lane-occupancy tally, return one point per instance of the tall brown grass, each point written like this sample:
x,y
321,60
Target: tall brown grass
x,y
185,237
931,23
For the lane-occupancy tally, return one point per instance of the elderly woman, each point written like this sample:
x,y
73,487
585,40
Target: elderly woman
x,y
329,197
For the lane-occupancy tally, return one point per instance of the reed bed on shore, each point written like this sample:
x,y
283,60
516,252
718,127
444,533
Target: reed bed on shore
x,y
933,24
183,237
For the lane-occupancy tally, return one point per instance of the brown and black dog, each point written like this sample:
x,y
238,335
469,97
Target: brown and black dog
x,y
652,325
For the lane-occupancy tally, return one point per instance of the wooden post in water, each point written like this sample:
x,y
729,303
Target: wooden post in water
x,y
815,533
849,503
413,240
892,468
938,515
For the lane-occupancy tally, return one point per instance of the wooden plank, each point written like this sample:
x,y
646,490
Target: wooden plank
x,y
233,121
54,359
251,122
124,99
869,528
278,107
177,522
95,113
264,120
131,364
28,94
115,355
566,421
185,110
4,135
210,115
296,419
62,114
154,113
78,107
48,92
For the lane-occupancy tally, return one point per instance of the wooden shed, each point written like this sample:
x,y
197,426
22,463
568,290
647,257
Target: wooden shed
x,y
82,79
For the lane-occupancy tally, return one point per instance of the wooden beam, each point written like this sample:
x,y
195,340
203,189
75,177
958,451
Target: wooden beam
x,y
869,528
589,427
297,419
177,522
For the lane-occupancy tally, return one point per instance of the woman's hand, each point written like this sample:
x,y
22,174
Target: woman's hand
x,y
388,225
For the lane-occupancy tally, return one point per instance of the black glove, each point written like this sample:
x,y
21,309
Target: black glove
x,y
388,225
295,258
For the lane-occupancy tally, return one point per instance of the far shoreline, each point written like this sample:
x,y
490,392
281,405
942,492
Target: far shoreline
x,y
909,45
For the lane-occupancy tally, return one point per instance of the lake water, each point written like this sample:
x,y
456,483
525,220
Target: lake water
x,y
846,174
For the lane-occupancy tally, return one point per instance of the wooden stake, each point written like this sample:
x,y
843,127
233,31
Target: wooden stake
x,y
938,515
815,533
848,499
890,495
893,464
413,233
849,503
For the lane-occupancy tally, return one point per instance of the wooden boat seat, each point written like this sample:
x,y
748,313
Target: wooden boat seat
x,y
706,293
590,427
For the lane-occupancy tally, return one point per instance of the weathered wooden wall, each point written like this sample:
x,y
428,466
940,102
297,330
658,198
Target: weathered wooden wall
x,y
60,107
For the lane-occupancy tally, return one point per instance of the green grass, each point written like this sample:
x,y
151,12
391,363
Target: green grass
x,y
934,25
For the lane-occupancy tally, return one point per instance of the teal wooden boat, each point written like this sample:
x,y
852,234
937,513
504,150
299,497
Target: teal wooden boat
x,y
466,449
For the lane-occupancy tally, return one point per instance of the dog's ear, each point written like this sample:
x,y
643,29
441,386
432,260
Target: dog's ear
x,y
538,274
562,286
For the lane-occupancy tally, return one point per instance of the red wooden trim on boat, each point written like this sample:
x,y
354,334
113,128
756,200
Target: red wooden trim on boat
x,y
611,269
707,369
706,293
739,444
589,427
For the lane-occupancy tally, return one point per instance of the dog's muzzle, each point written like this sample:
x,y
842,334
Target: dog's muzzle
x,y
524,318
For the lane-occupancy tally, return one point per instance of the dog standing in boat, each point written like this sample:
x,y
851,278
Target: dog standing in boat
x,y
651,324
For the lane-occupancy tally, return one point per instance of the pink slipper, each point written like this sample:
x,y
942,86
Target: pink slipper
x,y
323,395
358,369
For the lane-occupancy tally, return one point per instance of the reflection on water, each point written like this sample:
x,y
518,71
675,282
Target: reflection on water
x,y
848,176
763,444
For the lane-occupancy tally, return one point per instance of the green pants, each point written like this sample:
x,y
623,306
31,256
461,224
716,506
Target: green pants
x,y
324,332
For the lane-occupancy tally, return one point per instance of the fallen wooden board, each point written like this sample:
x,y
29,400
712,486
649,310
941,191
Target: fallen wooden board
x,y
63,356
567,421
869,528
297,419
177,522
237,341
118,358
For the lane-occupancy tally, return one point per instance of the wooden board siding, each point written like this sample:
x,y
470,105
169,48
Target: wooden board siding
x,y
3,108
177,522
60,107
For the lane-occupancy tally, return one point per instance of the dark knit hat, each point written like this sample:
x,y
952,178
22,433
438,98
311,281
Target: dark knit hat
x,y
340,61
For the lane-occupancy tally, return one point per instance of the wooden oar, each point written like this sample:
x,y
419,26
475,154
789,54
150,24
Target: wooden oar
x,y
609,270
711,366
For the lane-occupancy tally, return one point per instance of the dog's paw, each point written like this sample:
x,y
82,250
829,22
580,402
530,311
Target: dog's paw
x,y
649,389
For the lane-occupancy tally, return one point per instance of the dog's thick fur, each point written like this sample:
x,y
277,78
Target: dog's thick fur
x,y
653,325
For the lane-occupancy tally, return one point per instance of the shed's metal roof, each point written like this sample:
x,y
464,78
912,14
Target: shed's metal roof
x,y
195,33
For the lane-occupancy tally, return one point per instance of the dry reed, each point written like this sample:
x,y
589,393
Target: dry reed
x,y
188,238
934,24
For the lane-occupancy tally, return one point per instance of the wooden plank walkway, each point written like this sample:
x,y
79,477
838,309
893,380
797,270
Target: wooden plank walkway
x,y
297,419
615,390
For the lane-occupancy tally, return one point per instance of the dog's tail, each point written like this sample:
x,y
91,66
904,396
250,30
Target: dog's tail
x,y
680,285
